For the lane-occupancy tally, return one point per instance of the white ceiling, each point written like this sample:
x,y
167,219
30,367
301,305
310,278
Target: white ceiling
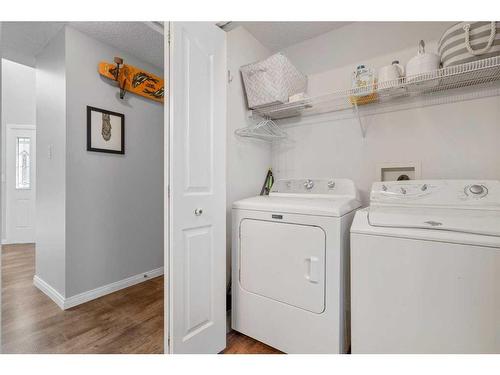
x,y
279,35
22,41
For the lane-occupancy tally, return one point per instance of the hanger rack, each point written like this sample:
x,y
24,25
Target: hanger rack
x,y
266,130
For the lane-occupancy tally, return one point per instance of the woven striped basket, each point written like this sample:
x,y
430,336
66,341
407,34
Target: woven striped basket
x,y
469,41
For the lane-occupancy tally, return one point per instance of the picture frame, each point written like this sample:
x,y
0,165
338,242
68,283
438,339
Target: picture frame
x,y
105,131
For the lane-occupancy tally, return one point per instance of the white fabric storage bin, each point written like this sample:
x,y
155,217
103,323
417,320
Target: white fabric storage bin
x,y
466,42
272,81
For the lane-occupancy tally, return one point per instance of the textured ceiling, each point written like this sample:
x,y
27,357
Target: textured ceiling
x,y
22,41
279,35
136,38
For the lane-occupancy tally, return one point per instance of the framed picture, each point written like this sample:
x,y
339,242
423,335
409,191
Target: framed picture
x,y
105,131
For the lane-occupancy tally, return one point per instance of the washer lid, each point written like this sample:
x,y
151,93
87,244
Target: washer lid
x,y
485,222
361,226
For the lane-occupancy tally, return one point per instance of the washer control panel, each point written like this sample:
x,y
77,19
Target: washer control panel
x,y
467,193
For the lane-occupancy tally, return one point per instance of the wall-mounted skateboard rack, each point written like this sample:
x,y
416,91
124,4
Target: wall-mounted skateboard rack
x,y
132,79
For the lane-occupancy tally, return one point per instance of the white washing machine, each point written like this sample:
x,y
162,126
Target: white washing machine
x,y
290,265
425,268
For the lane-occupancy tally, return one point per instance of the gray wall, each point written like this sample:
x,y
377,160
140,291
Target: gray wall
x,y
51,172
99,216
114,205
19,107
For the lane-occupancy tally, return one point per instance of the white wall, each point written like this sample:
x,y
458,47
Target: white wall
x,y
247,160
114,205
19,107
51,172
360,41
458,140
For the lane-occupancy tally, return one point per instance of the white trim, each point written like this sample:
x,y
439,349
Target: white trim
x,y
166,196
21,127
66,303
6,241
48,290
110,288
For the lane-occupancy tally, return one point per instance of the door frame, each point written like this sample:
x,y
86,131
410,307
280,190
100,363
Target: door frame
x,y
166,197
9,127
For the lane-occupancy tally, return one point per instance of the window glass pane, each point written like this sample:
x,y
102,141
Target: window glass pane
x,y
23,163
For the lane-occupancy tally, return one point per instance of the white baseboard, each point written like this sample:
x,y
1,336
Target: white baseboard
x,y
66,303
15,242
48,290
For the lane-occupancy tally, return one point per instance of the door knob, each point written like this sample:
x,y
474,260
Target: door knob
x,y
198,211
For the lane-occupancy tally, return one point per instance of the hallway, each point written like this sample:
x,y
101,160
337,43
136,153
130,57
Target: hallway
x,y
127,321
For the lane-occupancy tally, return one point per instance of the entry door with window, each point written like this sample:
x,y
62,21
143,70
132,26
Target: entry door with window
x,y
20,183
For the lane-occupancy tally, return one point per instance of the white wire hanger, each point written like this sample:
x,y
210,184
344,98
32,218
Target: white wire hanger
x,y
266,130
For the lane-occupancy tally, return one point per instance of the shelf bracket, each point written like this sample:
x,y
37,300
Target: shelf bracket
x,y
360,121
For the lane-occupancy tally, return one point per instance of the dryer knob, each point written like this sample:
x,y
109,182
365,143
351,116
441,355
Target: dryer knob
x,y
309,184
476,189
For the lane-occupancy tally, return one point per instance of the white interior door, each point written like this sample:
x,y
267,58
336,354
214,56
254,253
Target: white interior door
x,y
20,183
197,248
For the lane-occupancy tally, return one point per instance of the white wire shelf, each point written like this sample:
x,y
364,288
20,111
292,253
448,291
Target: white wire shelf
x,y
436,87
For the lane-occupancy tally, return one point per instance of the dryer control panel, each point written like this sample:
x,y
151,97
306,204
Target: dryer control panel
x,y
482,194
341,187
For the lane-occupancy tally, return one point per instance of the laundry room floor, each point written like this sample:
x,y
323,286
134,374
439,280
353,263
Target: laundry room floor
x,y
238,343
127,321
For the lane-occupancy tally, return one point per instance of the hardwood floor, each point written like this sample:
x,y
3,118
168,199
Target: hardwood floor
x,y
127,321
238,343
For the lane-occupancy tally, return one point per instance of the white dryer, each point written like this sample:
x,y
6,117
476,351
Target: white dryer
x,y
425,268
290,255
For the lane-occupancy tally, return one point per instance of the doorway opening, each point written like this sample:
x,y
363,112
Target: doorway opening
x,y
82,255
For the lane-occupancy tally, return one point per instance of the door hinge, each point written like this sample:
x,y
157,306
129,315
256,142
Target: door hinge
x,y
229,77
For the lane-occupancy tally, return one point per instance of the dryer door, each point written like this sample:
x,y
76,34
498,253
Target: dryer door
x,y
284,262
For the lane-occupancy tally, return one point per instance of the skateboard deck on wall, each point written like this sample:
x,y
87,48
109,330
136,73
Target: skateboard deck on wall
x,y
133,80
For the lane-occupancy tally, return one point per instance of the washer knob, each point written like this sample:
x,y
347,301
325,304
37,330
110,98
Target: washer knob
x,y
476,189
309,184
331,184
